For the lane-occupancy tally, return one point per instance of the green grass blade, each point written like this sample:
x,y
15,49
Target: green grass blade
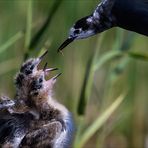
x,y
107,57
88,79
9,65
11,41
28,29
28,24
86,87
100,121
138,55
38,36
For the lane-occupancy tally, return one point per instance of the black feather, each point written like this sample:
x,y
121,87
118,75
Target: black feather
x,y
82,23
132,15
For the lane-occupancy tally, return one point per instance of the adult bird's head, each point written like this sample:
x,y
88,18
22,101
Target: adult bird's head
x,y
100,20
83,28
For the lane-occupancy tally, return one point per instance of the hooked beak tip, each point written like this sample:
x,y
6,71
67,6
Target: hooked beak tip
x,y
65,43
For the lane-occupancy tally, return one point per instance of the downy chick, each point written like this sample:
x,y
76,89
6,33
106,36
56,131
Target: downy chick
x,y
54,127
35,119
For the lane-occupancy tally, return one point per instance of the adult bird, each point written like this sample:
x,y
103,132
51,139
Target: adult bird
x,y
127,14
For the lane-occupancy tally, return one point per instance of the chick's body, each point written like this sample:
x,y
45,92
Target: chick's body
x,y
55,123
34,119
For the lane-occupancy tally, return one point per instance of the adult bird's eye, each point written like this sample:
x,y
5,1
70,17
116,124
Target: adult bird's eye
x,y
77,31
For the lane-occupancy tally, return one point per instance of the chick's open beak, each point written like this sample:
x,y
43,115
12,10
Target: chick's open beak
x,y
39,59
65,43
43,55
56,76
50,83
47,71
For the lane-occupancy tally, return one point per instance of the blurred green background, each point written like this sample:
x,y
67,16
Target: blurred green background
x,y
104,78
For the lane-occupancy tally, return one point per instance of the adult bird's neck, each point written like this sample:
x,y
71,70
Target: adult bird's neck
x,y
132,15
103,17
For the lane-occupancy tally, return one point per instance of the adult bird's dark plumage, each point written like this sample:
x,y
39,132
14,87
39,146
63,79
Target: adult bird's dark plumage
x,y
128,14
132,15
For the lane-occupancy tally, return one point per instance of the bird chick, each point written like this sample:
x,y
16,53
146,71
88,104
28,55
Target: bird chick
x,y
55,121
14,113
22,80
35,119
27,71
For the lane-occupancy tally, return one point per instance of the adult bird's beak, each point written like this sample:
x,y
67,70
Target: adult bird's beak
x,y
65,43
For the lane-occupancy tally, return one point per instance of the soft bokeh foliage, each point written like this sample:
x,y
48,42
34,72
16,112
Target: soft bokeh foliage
x,y
95,71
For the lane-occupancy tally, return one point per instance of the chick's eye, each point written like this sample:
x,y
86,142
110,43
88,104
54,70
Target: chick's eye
x,y
40,79
31,68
